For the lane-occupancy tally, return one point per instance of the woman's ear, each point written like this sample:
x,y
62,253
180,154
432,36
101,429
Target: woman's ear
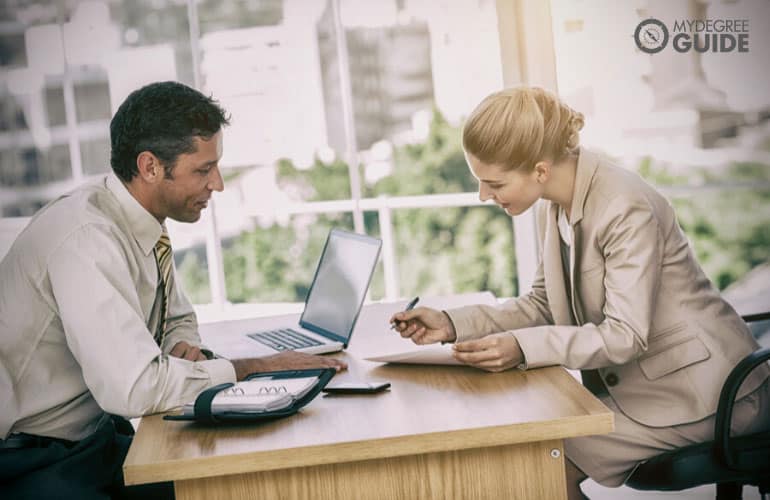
x,y
542,171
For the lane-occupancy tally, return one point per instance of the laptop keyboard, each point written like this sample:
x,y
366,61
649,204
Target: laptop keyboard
x,y
284,339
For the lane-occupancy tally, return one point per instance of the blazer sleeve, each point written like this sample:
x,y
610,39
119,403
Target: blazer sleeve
x,y
631,242
473,322
531,309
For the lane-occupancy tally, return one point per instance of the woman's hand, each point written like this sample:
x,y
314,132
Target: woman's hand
x,y
493,353
424,325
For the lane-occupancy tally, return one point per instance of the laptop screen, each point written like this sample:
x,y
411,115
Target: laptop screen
x,y
340,283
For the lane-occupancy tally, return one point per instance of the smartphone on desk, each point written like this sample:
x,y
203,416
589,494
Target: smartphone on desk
x,y
356,387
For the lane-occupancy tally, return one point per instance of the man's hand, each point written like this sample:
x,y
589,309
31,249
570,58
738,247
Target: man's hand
x,y
493,353
424,325
186,351
288,360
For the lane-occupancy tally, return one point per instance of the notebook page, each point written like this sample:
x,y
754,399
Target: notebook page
x,y
258,396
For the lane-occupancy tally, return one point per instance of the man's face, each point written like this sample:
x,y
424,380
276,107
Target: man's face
x,y
184,194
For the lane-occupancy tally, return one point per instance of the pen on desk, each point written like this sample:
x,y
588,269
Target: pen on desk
x,y
408,307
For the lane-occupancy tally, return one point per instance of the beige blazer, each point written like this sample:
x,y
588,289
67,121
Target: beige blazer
x,y
646,316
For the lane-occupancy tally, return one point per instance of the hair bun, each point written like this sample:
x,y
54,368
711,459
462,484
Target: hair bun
x,y
574,126
520,126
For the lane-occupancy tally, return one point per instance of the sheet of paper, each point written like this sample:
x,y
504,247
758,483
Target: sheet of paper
x,y
419,355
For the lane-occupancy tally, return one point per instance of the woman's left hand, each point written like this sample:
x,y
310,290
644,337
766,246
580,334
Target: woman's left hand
x,y
494,353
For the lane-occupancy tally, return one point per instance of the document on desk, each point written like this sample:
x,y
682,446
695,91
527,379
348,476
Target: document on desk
x,y
419,355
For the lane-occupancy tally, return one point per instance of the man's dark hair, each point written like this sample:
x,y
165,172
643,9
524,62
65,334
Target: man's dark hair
x,y
163,118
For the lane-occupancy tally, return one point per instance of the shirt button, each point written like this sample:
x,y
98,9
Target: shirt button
x,y
611,379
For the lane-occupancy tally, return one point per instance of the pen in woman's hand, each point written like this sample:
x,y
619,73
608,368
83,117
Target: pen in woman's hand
x,y
409,307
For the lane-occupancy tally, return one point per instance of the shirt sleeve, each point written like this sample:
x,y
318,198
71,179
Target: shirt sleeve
x,y
181,322
104,326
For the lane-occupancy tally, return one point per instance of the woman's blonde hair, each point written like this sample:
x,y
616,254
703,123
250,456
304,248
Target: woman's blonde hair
x,y
519,126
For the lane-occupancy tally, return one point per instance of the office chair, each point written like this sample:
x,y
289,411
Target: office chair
x,y
730,462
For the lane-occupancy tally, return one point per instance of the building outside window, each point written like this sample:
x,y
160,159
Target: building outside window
x,y
690,122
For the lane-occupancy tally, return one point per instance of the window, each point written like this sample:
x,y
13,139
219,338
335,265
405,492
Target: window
x,y
689,122
291,167
373,147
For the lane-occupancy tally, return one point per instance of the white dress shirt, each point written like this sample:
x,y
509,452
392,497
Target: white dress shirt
x,y
78,305
565,231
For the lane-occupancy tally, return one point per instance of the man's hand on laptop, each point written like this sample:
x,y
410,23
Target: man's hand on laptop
x,y
288,360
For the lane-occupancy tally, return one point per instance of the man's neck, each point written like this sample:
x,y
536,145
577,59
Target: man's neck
x,y
142,197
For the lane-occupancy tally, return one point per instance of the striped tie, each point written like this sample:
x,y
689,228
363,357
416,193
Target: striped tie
x,y
164,257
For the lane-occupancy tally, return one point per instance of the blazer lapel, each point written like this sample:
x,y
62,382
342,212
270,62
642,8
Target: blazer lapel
x,y
553,271
584,174
588,162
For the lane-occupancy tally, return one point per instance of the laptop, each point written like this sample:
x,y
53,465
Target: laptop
x,y
332,305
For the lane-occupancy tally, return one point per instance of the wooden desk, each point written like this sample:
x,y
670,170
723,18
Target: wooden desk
x,y
440,432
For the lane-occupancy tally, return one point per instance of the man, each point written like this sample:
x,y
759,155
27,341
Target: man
x,y
92,320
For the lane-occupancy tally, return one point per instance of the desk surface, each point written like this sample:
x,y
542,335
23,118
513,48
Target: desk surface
x,y
428,409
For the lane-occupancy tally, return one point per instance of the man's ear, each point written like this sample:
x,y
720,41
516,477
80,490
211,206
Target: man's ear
x,y
149,166
542,171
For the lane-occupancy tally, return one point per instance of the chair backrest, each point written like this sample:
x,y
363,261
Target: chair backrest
x,y
758,323
722,443
753,318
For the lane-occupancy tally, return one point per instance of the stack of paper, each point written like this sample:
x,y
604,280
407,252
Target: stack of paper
x,y
421,355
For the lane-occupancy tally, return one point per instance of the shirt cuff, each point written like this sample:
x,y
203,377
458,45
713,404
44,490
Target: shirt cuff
x,y
221,371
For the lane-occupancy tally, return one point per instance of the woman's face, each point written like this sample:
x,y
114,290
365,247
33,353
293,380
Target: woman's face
x,y
514,190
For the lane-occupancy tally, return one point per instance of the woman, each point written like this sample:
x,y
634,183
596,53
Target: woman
x,y
617,293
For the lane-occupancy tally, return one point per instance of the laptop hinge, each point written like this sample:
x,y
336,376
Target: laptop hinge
x,y
324,333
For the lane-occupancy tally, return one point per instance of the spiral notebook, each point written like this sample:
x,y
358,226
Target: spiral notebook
x,y
257,396
262,396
